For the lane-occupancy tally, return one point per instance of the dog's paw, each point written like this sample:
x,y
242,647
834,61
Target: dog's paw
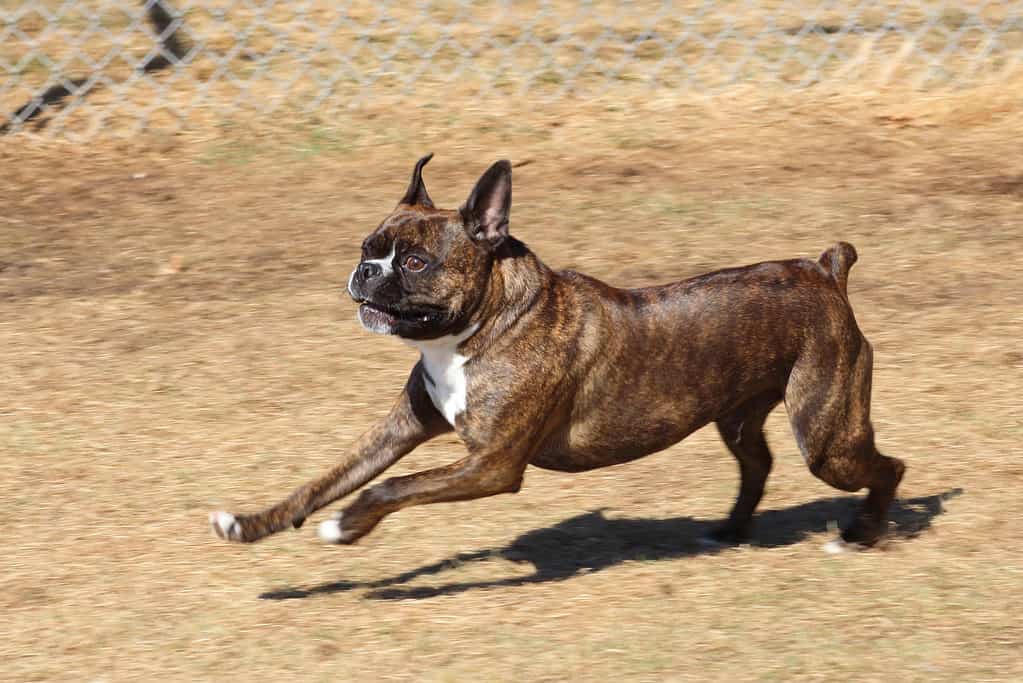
x,y
835,546
329,531
226,526
332,530
839,546
724,537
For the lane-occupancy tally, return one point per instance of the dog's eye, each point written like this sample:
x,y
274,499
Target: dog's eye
x,y
414,264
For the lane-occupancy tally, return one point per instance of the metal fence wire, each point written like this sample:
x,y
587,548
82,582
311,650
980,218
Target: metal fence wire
x,y
78,68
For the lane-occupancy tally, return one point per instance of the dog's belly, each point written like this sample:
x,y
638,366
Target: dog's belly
x,y
587,446
653,410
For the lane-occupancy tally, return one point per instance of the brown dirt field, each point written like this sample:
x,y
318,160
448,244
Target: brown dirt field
x,y
174,340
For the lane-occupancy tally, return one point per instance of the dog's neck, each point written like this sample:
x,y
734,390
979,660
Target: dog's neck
x,y
516,280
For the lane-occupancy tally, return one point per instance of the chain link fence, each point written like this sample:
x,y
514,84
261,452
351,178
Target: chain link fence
x,y
78,68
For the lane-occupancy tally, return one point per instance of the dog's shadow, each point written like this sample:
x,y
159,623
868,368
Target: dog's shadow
x,y
591,542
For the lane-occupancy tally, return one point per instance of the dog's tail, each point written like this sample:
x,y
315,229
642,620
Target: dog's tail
x,y
836,262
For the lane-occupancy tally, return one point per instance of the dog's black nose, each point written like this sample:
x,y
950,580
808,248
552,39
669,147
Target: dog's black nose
x,y
368,271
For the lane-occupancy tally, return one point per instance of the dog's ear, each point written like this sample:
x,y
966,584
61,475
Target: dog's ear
x,y
416,194
485,212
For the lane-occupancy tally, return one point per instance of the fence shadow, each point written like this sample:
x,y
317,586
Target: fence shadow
x,y
591,542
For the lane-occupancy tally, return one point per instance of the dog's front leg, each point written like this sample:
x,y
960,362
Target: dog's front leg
x,y
475,476
412,420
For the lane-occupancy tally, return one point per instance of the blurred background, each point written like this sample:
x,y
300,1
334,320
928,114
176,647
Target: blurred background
x,y
184,186
89,64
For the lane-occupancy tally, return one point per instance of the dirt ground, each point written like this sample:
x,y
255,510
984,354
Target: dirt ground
x,y
174,339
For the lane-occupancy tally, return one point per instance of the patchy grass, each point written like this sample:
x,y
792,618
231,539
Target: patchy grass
x,y
174,340
290,60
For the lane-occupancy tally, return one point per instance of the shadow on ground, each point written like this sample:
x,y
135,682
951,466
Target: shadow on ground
x,y
591,542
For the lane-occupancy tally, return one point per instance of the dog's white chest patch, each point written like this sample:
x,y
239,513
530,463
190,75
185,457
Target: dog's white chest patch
x,y
445,369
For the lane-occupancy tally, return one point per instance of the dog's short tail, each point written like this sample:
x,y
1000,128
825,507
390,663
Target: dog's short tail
x,y
836,262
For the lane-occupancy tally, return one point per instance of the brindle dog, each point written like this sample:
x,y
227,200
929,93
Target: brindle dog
x,y
530,366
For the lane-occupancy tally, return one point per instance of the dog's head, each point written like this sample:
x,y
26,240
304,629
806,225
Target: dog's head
x,y
424,270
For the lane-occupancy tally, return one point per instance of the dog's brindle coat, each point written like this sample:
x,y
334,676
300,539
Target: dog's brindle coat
x,y
564,372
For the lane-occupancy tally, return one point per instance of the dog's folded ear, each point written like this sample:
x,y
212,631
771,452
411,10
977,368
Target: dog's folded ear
x,y
485,212
416,194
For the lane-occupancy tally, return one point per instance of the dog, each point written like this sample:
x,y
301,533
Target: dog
x,y
560,371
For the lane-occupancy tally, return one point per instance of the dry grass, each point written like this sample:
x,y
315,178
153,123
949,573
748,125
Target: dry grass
x,y
178,342
319,58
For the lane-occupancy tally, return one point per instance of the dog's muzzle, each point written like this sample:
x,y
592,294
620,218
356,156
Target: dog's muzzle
x,y
364,274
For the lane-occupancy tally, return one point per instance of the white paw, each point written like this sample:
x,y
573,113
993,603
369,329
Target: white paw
x,y
835,547
225,526
330,529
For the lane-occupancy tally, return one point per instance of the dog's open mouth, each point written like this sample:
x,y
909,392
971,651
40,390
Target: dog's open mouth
x,y
385,319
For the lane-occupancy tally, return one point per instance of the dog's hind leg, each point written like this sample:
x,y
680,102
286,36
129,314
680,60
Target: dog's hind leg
x,y
743,433
828,401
